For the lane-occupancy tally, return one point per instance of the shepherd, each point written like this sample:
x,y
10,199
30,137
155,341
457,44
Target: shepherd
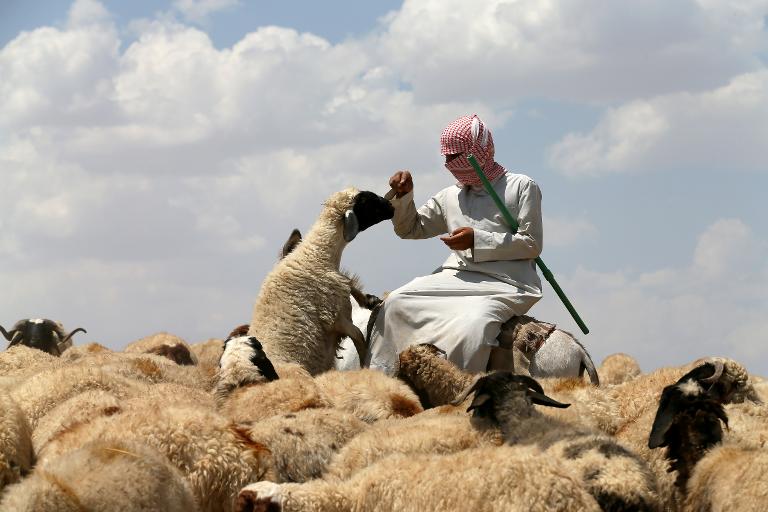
x,y
490,275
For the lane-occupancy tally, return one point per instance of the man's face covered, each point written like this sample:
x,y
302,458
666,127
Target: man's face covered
x,y
467,135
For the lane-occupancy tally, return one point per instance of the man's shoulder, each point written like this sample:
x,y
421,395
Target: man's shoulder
x,y
514,179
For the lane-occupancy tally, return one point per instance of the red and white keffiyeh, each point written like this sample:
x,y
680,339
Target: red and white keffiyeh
x,y
465,135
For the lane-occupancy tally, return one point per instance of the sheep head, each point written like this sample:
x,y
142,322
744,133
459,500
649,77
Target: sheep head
x,y
359,210
502,391
42,334
242,362
688,420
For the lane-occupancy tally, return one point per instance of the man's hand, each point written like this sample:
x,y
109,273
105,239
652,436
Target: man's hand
x,y
461,239
402,182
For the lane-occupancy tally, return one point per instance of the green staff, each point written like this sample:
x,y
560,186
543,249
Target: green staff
x,y
512,222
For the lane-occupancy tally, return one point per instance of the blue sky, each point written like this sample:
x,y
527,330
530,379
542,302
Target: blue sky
x,y
155,155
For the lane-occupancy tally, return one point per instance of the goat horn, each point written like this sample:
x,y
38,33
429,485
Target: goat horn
x,y
6,333
529,382
719,366
68,336
15,338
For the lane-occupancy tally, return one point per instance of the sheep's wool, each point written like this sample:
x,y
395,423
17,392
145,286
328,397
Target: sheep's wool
x,y
465,135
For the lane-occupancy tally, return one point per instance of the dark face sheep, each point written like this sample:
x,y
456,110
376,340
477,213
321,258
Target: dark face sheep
x,y
688,420
368,209
499,388
40,333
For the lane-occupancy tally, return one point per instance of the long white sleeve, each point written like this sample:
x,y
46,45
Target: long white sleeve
x,y
527,243
426,222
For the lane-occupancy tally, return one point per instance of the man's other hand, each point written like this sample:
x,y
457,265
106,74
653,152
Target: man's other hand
x,y
460,239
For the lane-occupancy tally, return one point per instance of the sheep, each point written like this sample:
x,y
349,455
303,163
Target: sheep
x,y
362,305
438,433
368,394
74,353
102,476
216,456
42,392
303,310
729,477
552,352
92,404
208,354
618,368
150,368
42,334
617,478
498,478
248,388
435,380
709,463
16,456
690,412
302,444
243,362
166,345
21,361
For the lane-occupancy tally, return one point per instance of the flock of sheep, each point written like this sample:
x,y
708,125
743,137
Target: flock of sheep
x,y
262,421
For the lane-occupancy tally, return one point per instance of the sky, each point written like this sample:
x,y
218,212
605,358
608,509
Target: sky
x,y
154,156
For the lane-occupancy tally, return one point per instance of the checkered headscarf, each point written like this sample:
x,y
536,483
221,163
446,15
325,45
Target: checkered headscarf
x,y
465,135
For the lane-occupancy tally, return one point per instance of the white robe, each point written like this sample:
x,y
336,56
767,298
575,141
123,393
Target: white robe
x,y
460,307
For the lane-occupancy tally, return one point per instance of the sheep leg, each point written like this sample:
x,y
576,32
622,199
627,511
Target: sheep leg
x,y
345,327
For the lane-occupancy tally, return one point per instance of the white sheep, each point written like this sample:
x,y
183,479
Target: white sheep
x,y
618,368
303,308
215,456
16,457
102,476
368,394
362,304
439,433
300,445
485,479
164,344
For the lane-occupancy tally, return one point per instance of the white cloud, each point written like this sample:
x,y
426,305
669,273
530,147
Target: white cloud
x,y
571,50
713,306
149,186
723,129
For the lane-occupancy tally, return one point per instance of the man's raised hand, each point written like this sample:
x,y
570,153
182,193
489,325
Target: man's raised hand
x,y
401,182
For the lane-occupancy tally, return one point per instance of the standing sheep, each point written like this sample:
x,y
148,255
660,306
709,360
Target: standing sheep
x,y
303,308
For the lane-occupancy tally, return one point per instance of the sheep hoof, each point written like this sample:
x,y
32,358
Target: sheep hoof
x,y
259,497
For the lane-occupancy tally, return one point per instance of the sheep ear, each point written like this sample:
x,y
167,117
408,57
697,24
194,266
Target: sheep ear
x,y
479,400
665,415
351,225
542,399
